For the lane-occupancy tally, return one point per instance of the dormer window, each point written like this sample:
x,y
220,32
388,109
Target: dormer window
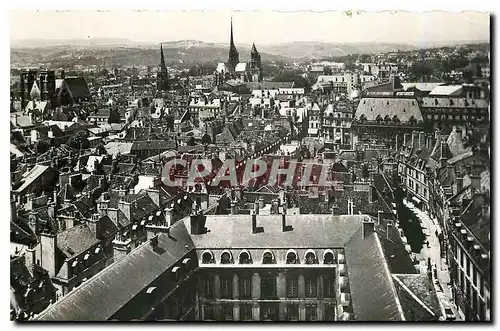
x,y
207,257
267,258
328,257
225,257
291,257
310,257
244,258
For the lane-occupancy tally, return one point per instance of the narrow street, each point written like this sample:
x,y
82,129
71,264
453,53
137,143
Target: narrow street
x,y
431,229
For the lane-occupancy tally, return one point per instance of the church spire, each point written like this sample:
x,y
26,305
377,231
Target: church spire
x,y
233,53
162,75
162,59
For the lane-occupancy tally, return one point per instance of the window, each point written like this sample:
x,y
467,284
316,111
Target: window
x,y
267,258
292,312
329,286
310,258
225,258
292,287
291,258
268,287
269,312
207,257
311,287
311,313
474,276
468,268
227,312
245,312
226,288
328,258
207,287
245,258
245,287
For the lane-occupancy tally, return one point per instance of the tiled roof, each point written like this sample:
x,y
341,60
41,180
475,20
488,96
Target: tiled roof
x,y
116,285
76,240
160,145
404,109
477,222
424,87
373,294
113,148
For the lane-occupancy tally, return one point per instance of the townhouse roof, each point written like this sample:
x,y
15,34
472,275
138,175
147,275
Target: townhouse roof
x,y
447,90
76,240
418,297
404,109
110,290
266,85
31,176
453,102
373,294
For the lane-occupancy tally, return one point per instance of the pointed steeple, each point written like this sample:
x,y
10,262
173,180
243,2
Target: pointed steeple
x,y
234,58
162,59
254,49
162,75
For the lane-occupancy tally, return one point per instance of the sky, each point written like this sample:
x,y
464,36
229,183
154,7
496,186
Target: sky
x,y
262,27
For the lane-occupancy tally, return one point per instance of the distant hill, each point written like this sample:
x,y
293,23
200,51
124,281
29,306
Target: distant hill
x,y
115,51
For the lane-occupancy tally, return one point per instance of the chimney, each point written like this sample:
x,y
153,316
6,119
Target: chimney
x,y
30,258
233,208
396,142
198,223
475,182
94,224
256,207
443,159
124,207
421,140
438,135
254,223
48,245
154,242
368,228
63,74
13,210
33,221
51,210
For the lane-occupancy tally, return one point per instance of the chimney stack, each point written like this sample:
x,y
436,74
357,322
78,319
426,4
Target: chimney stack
x,y
368,228
254,223
198,223
154,242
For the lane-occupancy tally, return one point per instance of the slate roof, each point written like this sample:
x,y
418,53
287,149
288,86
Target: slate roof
x,y
447,90
477,222
373,293
110,289
77,86
423,303
453,102
31,176
424,87
268,85
160,145
235,231
404,109
78,239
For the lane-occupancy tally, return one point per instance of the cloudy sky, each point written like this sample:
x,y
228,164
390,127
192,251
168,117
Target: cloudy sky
x,y
262,27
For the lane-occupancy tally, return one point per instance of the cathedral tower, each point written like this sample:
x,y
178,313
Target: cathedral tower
x,y
162,75
255,65
234,57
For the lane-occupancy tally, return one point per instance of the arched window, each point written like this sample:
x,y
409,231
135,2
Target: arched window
x,y
244,257
291,257
207,257
328,257
225,257
310,257
378,118
387,119
395,119
267,257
